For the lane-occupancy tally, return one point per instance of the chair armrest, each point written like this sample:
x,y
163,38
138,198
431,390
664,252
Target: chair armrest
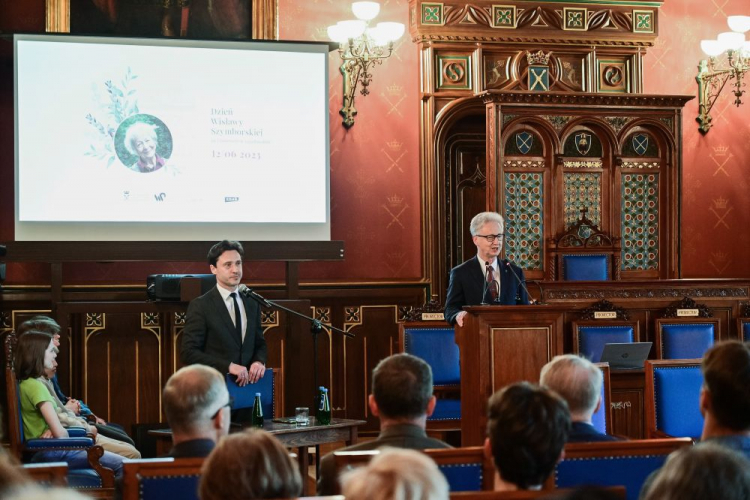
x,y
76,432
108,475
59,443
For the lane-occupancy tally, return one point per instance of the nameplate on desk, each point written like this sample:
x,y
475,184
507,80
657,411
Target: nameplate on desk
x,y
605,314
433,317
687,313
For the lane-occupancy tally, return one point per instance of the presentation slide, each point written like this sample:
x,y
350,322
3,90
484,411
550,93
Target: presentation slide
x,y
150,139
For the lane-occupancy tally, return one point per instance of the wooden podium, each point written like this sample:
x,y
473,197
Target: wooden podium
x,y
500,345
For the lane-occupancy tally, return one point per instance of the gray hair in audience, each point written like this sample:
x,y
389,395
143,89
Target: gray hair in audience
x,y
396,474
192,394
707,470
483,218
577,380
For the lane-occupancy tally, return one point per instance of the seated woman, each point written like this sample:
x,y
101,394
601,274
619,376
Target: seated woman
x,y
247,465
35,352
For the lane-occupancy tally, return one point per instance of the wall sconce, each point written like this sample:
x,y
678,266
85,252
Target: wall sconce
x,y
712,76
360,47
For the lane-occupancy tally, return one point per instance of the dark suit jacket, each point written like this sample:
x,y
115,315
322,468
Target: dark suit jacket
x,y
467,283
581,432
209,337
195,448
407,436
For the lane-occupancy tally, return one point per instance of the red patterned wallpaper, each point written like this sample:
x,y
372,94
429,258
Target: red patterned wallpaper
x,y
716,167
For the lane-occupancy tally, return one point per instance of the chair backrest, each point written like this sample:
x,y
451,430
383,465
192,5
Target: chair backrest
x,y
268,387
48,473
161,478
671,398
685,338
602,418
613,463
584,253
434,342
743,329
590,337
616,491
15,424
465,469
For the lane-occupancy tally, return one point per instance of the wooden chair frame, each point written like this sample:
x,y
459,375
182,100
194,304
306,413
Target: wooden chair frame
x,y
618,491
604,367
740,322
135,470
649,396
49,473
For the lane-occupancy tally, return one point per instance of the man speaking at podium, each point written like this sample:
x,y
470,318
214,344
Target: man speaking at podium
x,y
485,279
222,328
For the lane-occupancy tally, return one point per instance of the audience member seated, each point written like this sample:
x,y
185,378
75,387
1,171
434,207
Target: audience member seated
x,y
402,399
248,465
579,383
48,325
196,402
35,352
725,396
527,428
706,471
396,474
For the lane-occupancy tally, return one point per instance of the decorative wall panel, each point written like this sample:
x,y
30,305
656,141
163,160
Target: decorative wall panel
x,y
582,190
640,222
524,231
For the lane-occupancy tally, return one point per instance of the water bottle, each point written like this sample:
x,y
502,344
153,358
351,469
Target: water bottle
x,y
324,409
257,420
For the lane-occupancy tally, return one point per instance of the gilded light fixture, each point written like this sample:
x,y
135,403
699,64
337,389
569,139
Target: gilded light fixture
x,y
713,76
360,47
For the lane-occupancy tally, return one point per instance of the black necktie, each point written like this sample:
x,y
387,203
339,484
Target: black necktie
x,y
237,316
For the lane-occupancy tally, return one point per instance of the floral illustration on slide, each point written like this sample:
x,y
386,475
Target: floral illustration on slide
x,y
141,142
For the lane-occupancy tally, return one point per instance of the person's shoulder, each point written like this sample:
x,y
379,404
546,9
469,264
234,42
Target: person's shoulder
x,y
465,264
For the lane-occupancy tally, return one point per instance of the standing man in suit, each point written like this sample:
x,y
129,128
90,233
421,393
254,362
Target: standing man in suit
x,y
484,279
222,328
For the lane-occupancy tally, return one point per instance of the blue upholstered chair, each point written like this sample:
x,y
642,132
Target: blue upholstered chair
x,y
268,387
671,398
602,418
590,337
585,267
465,469
743,328
685,338
612,463
161,478
96,477
434,342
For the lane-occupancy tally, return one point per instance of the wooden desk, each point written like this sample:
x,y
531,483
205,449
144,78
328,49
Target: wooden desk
x,y
291,436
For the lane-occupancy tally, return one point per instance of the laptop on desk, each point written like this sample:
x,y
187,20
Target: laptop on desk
x,y
627,356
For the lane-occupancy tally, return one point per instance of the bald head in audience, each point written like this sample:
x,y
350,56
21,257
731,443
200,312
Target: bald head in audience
x,y
527,428
197,405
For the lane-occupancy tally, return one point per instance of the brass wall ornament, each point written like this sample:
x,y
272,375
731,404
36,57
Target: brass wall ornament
x,y
361,47
713,75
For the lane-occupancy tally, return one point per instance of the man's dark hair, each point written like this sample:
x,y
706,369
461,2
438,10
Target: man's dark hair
x,y
726,371
223,246
40,324
402,386
528,426
30,354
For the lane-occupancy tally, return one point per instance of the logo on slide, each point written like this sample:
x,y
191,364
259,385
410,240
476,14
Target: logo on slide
x,y
160,196
229,199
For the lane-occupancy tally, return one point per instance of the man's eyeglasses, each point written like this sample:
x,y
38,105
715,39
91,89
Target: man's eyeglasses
x,y
230,404
491,237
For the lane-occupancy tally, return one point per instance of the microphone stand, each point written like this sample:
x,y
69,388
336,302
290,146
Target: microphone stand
x,y
315,327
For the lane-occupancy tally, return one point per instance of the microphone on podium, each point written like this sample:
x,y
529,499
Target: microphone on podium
x,y
519,280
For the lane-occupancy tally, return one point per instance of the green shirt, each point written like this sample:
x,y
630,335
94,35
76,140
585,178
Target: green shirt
x,y
33,393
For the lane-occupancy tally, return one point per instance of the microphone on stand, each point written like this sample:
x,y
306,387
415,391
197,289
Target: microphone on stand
x,y
251,294
519,280
484,288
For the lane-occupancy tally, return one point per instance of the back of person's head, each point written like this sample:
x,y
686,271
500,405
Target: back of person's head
x,y
402,386
247,465
12,474
396,474
30,354
224,246
527,429
705,471
577,380
726,374
193,394
40,324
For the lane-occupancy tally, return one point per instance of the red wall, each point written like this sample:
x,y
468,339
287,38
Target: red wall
x,y
375,191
